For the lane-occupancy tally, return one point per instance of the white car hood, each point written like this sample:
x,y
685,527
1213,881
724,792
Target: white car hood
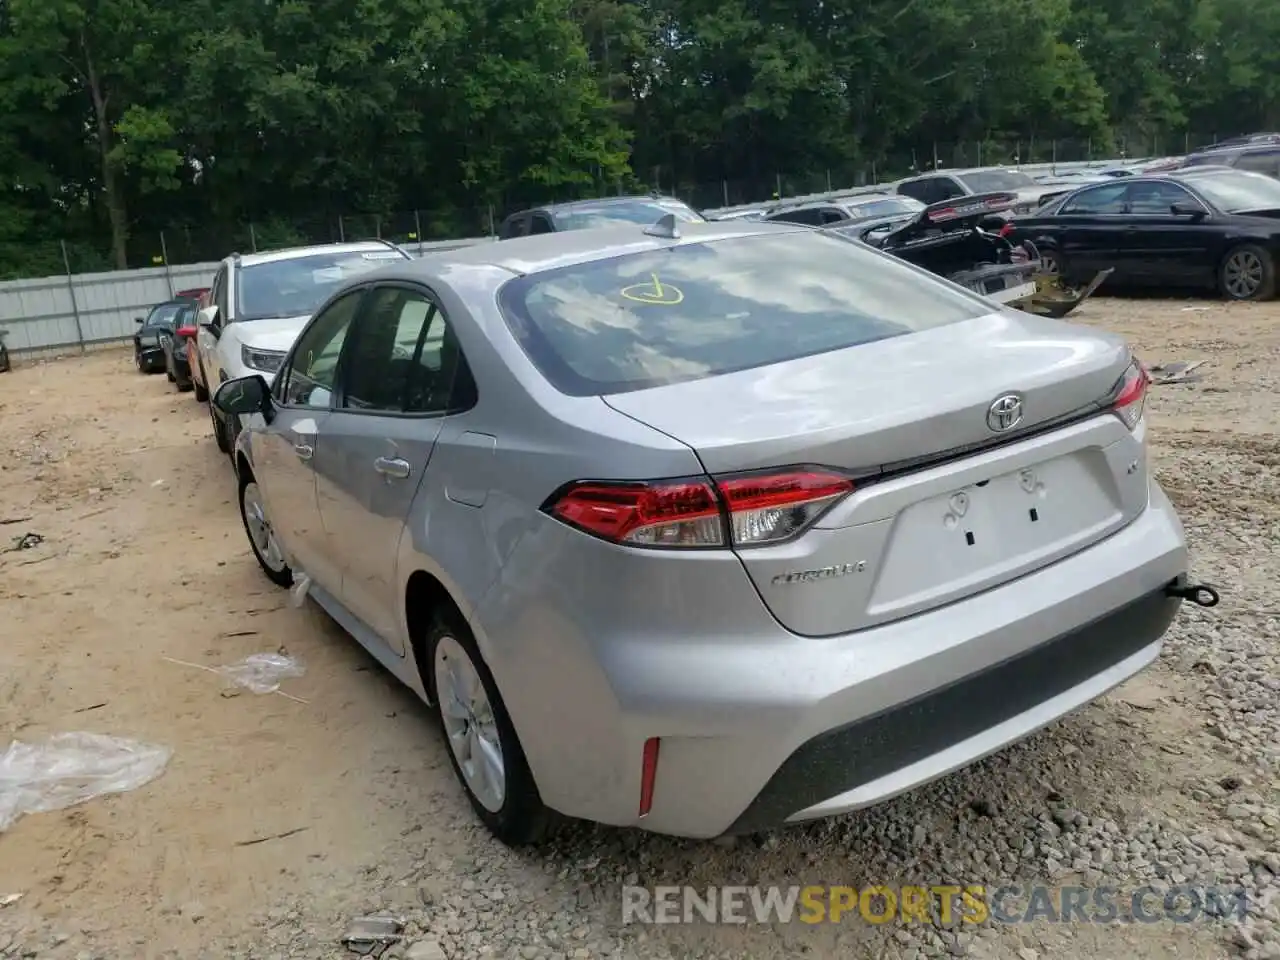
x,y
273,334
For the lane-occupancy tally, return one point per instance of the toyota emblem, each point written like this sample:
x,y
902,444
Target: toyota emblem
x,y
1005,413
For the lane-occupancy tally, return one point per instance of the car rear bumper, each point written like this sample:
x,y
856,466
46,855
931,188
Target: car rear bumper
x,y
758,726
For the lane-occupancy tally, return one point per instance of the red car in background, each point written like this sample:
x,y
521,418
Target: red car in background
x,y
194,372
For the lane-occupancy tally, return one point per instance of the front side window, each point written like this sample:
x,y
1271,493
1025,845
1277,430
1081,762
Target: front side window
x,y
701,309
404,358
295,287
1157,198
309,378
810,217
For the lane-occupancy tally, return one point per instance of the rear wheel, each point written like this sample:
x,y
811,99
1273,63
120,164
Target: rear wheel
x,y
483,747
1051,263
137,361
262,537
1247,273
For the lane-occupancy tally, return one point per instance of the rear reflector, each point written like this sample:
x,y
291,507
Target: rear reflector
x,y
648,774
742,510
1131,395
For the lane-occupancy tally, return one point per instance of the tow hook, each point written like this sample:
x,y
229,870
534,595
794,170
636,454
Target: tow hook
x,y
1200,594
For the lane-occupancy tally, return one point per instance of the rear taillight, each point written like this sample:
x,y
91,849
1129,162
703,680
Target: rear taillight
x,y
1131,395
186,332
742,511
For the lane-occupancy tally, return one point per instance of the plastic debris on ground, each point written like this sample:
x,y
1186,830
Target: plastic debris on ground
x,y
298,592
371,936
66,769
262,672
1179,372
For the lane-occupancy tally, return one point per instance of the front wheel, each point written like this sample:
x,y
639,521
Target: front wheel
x,y
483,747
1247,273
262,536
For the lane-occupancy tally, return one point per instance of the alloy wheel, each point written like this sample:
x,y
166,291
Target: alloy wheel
x,y
260,532
1243,274
469,724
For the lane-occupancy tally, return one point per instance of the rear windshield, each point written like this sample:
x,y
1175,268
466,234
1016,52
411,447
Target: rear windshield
x,y
884,208
701,309
643,212
993,181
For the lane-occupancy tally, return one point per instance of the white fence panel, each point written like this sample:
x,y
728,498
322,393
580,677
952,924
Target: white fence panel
x,y
98,308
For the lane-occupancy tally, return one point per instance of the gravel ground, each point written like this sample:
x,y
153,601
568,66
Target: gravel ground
x,y
1169,781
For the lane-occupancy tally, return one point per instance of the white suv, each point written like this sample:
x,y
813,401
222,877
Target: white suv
x,y
260,302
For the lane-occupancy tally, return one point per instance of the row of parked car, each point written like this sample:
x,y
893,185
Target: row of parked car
x,y
654,512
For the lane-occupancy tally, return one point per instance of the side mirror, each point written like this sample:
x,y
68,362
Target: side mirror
x,y
207,319
244,396
1183,210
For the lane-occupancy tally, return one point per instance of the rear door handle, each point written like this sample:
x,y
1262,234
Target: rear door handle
x,y
305,451
393,467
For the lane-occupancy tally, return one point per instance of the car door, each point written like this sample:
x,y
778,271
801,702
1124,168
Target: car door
x,y
207,337
286,451
1158,246
1086,229
378,441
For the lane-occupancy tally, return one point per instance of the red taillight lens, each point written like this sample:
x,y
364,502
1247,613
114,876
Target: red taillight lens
x,y
756,510
1131,395
1006,229
946,213
187,332
676,514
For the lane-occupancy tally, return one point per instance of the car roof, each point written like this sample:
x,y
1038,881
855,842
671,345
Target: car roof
x,y
296,253
565,248
963,171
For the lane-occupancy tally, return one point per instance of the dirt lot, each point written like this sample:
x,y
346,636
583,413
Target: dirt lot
x,y
276,821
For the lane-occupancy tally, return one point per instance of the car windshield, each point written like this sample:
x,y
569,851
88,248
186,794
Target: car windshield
x,y
617,213
992,181
296,286
884,208
1238,190
698,310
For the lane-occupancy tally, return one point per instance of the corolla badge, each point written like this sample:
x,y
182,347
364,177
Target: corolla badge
x,y
821,573
1005,412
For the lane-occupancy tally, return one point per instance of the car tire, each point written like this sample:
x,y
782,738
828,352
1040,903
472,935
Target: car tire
x,y
169,374
1247,272
202,392
219,432
137,362
262,539
476,725
1053,264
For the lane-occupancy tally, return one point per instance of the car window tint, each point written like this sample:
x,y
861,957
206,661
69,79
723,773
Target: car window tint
x,y
698,310
162,316
1108,198
811,217
1152,199
541,223
404,357
309,379
916,190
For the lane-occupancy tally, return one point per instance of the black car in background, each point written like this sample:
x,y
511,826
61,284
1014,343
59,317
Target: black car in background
x,y
585,214
1206,227
185,328
148,348
1256,157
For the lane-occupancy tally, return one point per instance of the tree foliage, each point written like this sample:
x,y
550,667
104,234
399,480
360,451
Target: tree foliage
x,y
119,118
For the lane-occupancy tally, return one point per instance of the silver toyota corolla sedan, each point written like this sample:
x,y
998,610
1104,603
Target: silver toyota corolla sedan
x,y
706,528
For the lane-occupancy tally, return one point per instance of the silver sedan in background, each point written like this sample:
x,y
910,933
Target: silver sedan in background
x,y
709,527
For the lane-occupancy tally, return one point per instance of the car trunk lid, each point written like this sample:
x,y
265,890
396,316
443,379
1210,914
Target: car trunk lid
x,y
944,505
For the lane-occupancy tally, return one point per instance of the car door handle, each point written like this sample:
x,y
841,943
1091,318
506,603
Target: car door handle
x,y
393,467
305,451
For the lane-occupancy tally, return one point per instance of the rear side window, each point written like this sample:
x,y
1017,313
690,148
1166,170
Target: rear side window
x,y
703,309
